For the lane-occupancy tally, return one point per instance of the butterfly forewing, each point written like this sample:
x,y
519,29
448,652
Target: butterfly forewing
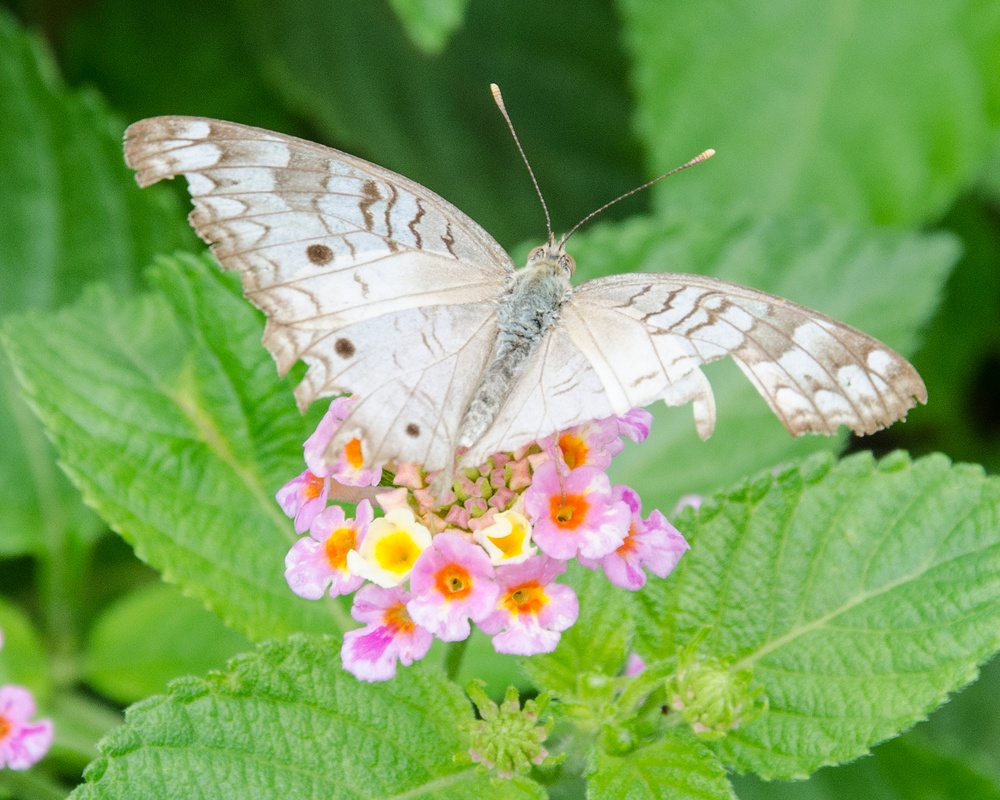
x,y
350,262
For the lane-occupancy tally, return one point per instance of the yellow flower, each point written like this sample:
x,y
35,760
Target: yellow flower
x,y
508,539
389,549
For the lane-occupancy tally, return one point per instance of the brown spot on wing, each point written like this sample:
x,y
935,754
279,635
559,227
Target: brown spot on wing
x,y
319,254
413,430
344,348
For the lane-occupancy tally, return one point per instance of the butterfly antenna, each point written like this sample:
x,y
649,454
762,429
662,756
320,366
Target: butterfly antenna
x,y
696,160
498,99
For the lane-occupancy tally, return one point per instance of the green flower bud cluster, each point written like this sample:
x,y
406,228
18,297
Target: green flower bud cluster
x,y
509,739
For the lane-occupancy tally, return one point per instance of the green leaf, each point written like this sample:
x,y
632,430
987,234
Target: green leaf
x,y
168,416
886,283
597,644
69,213
286,721
71,210
152,59
843,106
430,22
860,595
989,181
677,768
916,771
958,357
903,769
124,662
433,120
22,656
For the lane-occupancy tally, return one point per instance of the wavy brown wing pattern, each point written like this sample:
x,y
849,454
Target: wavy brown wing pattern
x,y
391,293
383,288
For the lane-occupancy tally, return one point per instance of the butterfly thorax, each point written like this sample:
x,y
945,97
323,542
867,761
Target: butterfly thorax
x,y
524,315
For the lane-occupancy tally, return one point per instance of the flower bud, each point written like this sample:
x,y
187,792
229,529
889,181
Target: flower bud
x,y
712,698
509,739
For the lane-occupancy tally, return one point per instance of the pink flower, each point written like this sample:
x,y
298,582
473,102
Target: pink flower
x,y
591,444
653,543
692,500
349,467
409,475
575,513
595,443
21,743
635,424
532,610
303,497
451,583
319,560
371,653
634,665
518,474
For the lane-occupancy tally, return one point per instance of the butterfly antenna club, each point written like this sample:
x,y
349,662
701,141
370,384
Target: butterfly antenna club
x,y
498,99
703,156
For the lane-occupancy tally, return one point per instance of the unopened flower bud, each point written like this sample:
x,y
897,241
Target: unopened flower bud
x,y
508,738
712,698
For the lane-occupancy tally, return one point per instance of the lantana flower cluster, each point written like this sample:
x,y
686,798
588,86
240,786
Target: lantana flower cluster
x,y
22,742
487,551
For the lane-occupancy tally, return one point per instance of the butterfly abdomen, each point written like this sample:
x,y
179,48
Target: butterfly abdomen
x,y
525,313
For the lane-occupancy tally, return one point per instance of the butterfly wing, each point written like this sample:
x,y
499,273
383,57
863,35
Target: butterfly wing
x,y
383,288
626,341
559,388
646,335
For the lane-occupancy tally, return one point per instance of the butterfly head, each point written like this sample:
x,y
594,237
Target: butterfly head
x,y
553,257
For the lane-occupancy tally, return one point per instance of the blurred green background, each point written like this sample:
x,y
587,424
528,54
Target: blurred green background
x,y
858,172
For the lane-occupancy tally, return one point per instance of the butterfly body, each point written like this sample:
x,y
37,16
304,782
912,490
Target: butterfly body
x,y
389,292
524,316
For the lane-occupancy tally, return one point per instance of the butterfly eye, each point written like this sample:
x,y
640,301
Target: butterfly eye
x,y
538,252
568,263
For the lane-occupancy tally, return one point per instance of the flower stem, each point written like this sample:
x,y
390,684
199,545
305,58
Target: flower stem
x,y
453,656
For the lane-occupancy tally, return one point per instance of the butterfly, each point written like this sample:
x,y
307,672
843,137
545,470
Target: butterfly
x,y
387,291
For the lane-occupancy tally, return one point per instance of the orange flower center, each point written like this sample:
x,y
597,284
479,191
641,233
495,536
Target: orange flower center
x,y
453,582
528,598
397,552
313,487
352,452
397,618
569,511
341,541
5,727
574,450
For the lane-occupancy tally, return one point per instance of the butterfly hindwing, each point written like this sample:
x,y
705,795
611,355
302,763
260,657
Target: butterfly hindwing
x,y
559,389
413,372
647,334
